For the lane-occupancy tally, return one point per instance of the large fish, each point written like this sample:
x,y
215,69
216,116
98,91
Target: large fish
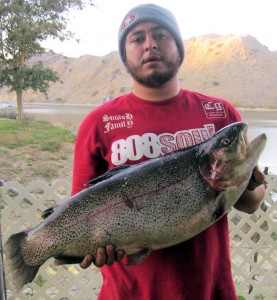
x,y
140,208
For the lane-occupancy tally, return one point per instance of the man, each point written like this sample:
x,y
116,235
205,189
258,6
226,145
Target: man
x,y
156,118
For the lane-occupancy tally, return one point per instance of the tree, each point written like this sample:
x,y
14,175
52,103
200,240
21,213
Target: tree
x,y
24,24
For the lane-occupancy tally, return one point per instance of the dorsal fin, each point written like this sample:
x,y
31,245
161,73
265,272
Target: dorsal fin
x,y
49,211
107,175
46,213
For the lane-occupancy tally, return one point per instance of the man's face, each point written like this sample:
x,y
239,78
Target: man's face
x,y
152,56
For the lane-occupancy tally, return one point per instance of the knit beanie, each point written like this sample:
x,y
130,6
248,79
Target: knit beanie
x,y
149,13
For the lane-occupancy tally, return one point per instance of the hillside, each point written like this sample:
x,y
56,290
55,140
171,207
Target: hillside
x,y
238,68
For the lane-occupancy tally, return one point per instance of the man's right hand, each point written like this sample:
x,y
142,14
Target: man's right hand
x,y
104,256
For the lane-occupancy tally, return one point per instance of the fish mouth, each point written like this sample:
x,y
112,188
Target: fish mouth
x,y
228,158
217,166
216,170
221,164
224,174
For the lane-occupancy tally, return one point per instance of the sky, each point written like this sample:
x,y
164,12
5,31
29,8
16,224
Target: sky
x,y
97,27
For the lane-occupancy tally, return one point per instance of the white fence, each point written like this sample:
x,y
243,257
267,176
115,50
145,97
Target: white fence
x,y
252,241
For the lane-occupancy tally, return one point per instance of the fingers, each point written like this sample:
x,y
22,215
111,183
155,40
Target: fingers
x,y
259,176
104,256
257,179
108,256
101,257
88,259
120,254
111,255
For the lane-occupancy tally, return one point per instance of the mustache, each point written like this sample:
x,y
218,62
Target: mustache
x,y
152,56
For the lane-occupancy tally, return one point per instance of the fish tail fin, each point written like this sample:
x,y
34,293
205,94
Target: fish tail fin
x,y
21,272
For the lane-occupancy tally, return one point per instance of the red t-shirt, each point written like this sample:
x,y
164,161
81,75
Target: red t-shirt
x,y
129,130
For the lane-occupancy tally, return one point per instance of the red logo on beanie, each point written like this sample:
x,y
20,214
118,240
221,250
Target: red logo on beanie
x,y
129,20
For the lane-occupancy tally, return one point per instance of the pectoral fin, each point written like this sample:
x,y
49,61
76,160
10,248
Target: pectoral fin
x,y
219,208
226,199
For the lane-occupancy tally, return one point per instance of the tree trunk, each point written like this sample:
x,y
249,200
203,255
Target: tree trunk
x,y
19,104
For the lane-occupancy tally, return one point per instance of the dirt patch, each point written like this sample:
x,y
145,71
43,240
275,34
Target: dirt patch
x,y
26,164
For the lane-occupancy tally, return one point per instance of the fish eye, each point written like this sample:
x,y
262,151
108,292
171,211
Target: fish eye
x,y
226,142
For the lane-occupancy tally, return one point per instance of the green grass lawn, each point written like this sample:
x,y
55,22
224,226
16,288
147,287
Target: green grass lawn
x,y
38,134
32,150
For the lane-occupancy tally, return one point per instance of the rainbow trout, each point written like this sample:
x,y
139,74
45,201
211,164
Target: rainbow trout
x,y
152,205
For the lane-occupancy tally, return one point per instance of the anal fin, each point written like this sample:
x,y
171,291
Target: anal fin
x,y
65,260
134,259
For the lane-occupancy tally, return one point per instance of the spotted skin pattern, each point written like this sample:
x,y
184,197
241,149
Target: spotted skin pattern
x,y
152,205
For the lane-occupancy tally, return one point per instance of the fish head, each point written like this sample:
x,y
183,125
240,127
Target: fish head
x,y
227,159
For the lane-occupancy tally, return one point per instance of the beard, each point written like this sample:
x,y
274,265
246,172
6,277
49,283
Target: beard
x,y
157,78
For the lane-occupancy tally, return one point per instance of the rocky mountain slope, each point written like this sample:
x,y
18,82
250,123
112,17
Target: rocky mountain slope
x,y
238,68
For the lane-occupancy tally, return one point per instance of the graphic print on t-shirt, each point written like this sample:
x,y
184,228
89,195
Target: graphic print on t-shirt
x,y
151,145
214,109
117,121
